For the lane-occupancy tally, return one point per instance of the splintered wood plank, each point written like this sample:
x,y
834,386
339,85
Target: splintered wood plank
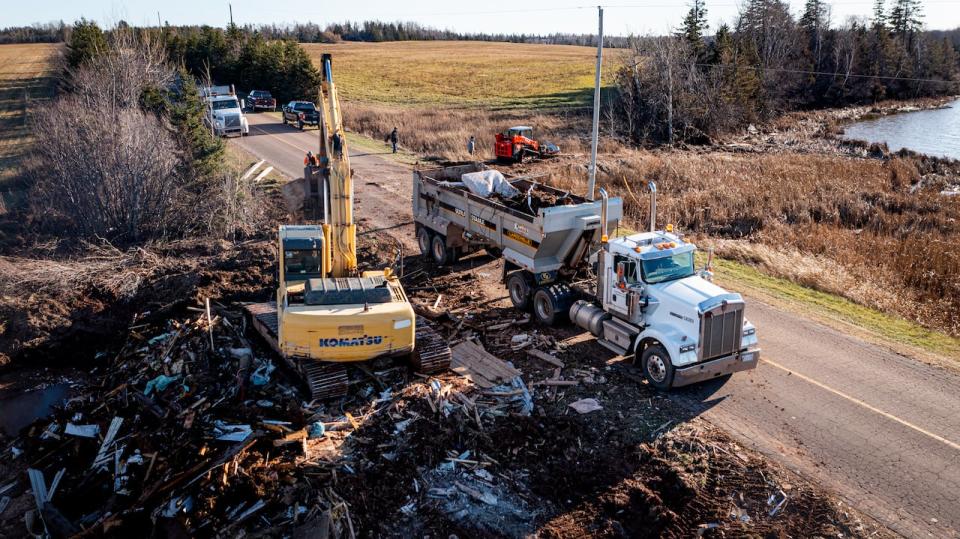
x,y
479,366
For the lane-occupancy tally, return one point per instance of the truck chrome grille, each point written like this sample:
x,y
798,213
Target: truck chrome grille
x,y
721,331
231,120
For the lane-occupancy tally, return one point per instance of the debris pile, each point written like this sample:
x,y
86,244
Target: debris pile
x,y
189,429
193,428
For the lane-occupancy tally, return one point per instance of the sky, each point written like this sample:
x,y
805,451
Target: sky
x,y
621,17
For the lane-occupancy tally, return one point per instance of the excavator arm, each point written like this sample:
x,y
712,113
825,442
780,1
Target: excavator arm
x,y
340,229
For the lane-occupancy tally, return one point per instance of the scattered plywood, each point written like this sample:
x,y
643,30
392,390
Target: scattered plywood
x,y
485,370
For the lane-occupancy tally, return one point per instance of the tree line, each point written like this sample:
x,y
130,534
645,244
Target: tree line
x,y
768,62
380,31
310,32
51,32
247,59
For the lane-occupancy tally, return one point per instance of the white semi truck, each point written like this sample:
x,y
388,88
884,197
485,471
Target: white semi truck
x,y
225,111
640,294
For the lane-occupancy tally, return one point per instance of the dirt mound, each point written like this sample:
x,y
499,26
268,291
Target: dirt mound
x,y
84,300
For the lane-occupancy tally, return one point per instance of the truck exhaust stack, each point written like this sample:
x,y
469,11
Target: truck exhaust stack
x,y
653,206
603,213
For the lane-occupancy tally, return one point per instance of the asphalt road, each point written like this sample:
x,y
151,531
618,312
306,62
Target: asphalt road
x,y
880,429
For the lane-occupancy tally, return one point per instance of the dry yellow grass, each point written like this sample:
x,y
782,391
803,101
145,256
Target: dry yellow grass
x,y
459,73
26,71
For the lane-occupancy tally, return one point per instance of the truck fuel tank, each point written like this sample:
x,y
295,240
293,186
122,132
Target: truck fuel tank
x,y
589,317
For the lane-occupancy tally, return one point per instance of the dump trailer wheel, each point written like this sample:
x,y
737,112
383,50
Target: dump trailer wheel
x,y
551,304
424,239
441,254
657,367
519,289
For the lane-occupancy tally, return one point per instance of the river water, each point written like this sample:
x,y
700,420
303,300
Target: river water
x,y
932,132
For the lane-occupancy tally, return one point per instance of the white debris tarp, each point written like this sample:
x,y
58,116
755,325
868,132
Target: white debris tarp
x,y
487,182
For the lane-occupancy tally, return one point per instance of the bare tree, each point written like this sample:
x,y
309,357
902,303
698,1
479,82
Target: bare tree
x,y
102,165
105,170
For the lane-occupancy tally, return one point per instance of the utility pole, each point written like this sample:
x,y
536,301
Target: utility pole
x,y
231,14
158,20
592,183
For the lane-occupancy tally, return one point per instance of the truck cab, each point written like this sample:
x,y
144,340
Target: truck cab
x,y
226,116
681,327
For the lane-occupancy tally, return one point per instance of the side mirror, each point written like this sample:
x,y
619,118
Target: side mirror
x,y
243,103
707,271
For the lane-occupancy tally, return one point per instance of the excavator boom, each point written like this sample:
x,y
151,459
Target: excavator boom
x,y
342,229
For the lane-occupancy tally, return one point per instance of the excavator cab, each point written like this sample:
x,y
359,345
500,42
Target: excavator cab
x,y
520,131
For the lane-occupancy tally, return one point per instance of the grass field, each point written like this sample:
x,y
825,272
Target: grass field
x,y
26,79
472,73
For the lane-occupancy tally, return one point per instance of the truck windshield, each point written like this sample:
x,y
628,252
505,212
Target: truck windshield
x,y
305,107
226,104
668,268
300,263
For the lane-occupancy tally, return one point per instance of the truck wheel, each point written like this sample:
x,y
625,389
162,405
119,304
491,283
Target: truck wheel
x,y
657,367
300,125
551,304
441,254
424,238
283,118
518,287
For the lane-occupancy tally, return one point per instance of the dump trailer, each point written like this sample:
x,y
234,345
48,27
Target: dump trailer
x,y
639,294
544,236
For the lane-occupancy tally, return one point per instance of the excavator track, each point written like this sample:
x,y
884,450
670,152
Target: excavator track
x,y
325,380
431,353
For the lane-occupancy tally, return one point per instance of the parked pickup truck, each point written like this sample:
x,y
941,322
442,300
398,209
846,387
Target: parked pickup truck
x,y
301,113
261,100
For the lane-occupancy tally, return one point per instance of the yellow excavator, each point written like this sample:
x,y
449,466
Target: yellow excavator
x,y
327,312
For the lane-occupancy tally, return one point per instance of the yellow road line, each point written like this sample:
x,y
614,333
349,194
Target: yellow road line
x,y
865,405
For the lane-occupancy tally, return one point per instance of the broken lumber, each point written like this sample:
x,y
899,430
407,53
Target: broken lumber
x,y
471,361
549,358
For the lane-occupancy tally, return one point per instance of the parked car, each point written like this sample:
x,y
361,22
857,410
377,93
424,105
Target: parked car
x,y
301,113
261,100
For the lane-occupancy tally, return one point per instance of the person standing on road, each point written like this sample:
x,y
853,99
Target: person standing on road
x,y
394,139
471,144
338,145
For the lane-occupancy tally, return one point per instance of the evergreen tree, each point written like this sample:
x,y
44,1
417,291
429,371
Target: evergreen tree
x,y
906,18
86,42
815,23
694,26
879,19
